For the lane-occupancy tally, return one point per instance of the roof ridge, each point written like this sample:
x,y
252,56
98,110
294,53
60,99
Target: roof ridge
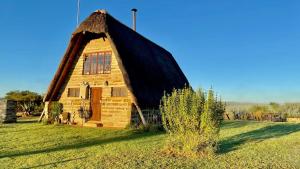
x,y
103,11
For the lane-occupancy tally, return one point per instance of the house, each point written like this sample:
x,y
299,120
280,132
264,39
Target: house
x,y
112,72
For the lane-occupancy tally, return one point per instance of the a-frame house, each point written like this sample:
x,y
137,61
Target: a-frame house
x,y
112,72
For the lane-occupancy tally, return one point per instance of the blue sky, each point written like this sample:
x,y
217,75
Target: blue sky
x,y
248,50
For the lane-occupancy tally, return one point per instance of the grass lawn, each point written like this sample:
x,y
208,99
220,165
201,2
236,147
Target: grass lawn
x,y
243,144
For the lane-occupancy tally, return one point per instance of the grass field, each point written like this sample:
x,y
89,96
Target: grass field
x,y
243,144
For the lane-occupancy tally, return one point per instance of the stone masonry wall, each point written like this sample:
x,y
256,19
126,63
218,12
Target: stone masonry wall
x,y
115,111
8,111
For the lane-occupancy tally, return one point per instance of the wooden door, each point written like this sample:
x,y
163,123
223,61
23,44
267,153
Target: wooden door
x,y
96,95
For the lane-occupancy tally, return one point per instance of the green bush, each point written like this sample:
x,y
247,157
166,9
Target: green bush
x,y
291,110
192,120
56,109
38,109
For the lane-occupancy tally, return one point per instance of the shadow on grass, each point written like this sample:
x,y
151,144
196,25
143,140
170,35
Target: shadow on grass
x,y
236,123
54,164
83,144
24,120
274,131
27,121
14,131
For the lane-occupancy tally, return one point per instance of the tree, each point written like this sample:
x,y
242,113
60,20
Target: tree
x,y
26,100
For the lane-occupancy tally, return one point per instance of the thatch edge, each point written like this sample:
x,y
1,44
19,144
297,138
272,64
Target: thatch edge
x,y
121,66
60,67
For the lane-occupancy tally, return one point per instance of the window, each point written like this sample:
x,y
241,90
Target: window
x,y
119,92
97,63
73,92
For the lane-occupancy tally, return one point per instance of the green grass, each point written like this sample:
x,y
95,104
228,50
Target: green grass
x,y
243,144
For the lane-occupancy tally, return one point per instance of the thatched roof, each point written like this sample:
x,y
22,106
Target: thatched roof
x,y
147,68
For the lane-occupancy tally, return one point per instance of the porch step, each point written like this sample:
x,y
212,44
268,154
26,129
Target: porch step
x,y
93,124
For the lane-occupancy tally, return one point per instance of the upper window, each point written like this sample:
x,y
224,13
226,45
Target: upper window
x,y
97,63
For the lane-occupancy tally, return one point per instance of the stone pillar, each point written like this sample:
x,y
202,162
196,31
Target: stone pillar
x,y
46,110
8,111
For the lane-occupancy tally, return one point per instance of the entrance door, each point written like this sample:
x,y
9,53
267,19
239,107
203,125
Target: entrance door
x,y
96,95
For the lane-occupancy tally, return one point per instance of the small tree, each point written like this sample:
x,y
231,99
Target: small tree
x,y
259,110
26,100
192,120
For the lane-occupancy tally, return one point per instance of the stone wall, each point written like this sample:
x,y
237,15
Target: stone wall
x,y
115,111
8,111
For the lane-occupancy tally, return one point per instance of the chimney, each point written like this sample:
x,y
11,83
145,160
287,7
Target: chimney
x,y
134,18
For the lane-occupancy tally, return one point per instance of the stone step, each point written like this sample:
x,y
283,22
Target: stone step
x,y
93,124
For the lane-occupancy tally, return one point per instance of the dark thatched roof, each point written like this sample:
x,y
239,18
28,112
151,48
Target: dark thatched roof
x,y
147,68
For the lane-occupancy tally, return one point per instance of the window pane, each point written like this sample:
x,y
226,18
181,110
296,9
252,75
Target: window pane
x,y
69,92
119,92
93,63
107,62
77,92
100,63
86,67
73,92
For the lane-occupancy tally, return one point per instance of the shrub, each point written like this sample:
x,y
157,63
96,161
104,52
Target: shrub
x,y
192,120
38,109
291,110
56,109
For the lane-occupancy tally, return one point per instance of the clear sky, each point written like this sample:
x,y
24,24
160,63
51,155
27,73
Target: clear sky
x,y
248,50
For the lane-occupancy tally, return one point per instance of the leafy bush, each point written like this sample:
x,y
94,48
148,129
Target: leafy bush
x,y
291,110
192,120
56,109
38,109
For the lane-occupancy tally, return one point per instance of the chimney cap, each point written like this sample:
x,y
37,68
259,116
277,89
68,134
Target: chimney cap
x,y
134,9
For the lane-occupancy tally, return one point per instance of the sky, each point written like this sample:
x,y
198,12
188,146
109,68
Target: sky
x,y
247,50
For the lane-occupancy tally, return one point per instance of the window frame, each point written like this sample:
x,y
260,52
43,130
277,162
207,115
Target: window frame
x,y
103,55
76,91
120,92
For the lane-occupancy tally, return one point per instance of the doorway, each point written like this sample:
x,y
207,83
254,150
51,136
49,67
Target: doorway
x,y
96,96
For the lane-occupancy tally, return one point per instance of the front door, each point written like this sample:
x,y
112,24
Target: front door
x,y
96,95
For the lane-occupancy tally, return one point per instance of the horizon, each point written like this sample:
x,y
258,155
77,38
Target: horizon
x,y
248,51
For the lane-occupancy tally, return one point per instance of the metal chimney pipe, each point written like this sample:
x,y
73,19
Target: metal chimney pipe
x,y
134,18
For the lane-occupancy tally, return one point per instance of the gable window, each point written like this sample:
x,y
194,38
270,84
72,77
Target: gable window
x,y
97,63
73,92
119,92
